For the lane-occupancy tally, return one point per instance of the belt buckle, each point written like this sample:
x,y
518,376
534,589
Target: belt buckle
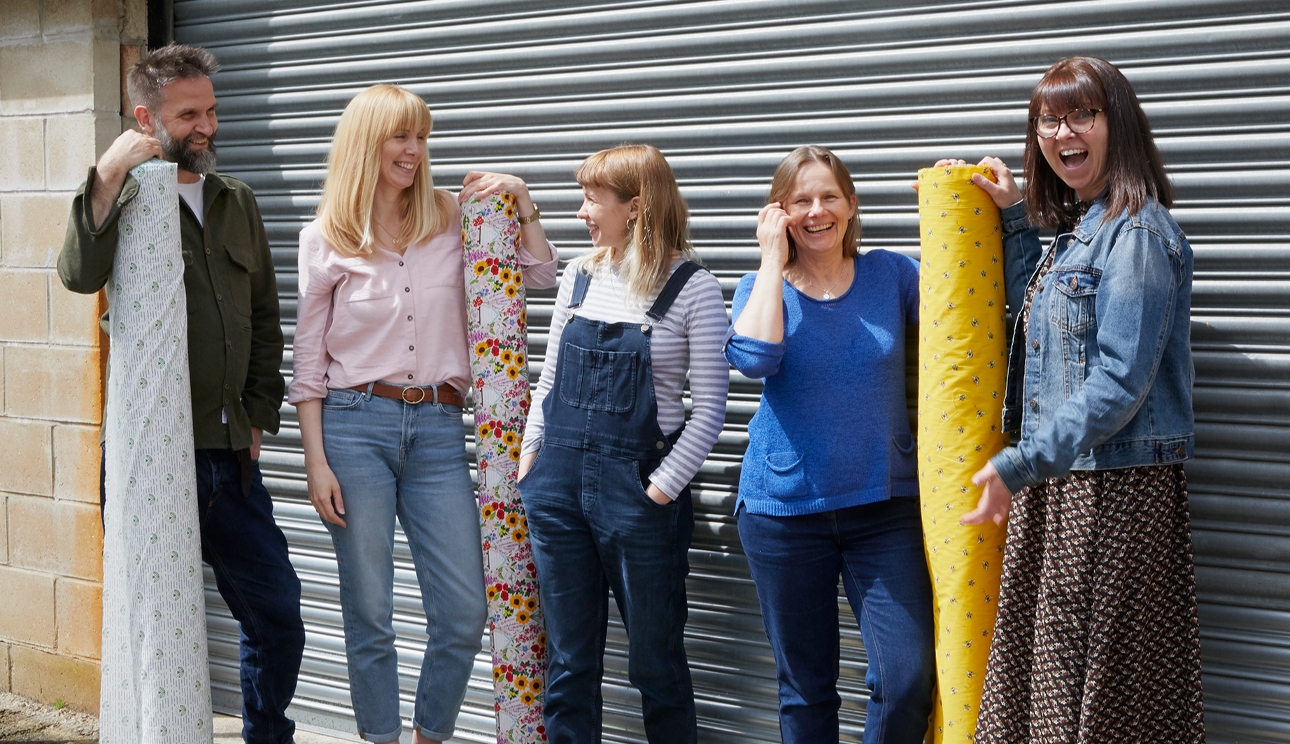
x,y
404,394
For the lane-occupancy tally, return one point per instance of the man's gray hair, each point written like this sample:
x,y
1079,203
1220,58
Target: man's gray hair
x,y
154,70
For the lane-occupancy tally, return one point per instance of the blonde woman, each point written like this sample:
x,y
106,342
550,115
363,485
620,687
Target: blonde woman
x,y
608,456
380,371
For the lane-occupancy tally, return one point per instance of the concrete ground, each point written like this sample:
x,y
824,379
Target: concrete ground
x,y
29,722
22,720
228,730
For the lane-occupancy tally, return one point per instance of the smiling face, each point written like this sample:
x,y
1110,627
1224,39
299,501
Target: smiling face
x,y
185,123
401,154
818,210
607,217
1078,159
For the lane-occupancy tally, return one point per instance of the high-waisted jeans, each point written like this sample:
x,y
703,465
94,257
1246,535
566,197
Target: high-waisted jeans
x,y
878,550
405,461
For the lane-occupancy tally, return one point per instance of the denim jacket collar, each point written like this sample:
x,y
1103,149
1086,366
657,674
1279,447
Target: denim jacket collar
x,y
1087,228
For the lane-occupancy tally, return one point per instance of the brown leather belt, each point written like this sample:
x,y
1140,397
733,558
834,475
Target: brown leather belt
x,y
441,393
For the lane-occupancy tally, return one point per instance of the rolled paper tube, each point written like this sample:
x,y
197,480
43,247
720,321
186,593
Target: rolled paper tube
x,y
962,359
155,681
499,365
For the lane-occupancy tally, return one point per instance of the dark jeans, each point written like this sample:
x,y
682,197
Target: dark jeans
x,y
878,550
248,554
593,528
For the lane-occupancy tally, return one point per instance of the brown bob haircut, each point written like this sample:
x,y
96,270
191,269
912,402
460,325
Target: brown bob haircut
x,y
1134,170
781,185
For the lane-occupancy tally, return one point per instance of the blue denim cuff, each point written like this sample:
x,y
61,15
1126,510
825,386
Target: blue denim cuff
x,y
1014,218
1011,470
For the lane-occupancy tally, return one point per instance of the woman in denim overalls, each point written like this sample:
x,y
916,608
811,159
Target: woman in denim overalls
x,y
607,495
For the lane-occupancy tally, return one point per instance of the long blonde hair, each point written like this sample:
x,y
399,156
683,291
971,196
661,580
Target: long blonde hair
x,y
662,226
354,166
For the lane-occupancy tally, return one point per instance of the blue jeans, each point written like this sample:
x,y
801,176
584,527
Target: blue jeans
x,y
405,461
593,528
878,550
248,554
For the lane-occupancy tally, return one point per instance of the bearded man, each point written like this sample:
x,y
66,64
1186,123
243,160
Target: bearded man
x,y
234,354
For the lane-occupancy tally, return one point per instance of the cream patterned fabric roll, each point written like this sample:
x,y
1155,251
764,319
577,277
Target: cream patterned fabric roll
x,y
155,683
962,367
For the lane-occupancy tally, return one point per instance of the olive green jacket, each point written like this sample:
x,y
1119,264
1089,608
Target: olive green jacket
x,y
234,333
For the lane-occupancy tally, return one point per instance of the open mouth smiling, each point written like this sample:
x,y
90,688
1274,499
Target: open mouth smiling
x,y
818,228
1073,158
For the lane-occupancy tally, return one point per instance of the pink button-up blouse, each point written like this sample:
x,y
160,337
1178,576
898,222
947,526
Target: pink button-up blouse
x,y
386,317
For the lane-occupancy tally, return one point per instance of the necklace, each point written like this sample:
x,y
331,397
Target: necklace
x,y
396,242
828,291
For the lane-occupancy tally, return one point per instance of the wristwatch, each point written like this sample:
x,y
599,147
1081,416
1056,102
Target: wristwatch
x,y
537,215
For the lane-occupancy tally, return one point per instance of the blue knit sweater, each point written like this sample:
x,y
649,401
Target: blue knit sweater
x,y
832,429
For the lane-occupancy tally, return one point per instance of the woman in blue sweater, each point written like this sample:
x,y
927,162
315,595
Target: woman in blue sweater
x,y
828,485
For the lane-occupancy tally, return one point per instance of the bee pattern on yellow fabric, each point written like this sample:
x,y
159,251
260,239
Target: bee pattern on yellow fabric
x,y
961,224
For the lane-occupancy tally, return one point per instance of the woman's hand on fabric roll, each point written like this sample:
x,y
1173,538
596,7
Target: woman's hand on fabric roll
x,y
526,462
324,493
1003,191
942,163
772,236
484,184
996,499
657,496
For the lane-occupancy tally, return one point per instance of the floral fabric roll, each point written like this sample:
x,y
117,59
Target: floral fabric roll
x,y
155,681
499,365
962,370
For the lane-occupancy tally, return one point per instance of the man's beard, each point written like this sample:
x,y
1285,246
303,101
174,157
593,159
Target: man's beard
x,y
179,152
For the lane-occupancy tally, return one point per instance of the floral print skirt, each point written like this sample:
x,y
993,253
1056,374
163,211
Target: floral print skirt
x,y
1097,639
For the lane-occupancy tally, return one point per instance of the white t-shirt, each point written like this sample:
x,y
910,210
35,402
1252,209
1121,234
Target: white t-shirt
x,y
192,195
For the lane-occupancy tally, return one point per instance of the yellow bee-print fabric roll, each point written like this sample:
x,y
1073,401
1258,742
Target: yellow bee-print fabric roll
x,y
962,358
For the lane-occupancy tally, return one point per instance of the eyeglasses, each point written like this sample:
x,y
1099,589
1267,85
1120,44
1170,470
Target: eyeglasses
x,y
1078,121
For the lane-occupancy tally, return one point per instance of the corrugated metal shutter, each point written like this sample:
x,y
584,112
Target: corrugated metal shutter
x,y
725,88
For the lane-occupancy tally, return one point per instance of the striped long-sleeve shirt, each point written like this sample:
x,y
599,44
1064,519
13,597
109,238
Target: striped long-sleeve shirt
x,y
689,338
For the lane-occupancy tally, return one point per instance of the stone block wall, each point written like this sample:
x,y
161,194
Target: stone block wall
x,y
60,108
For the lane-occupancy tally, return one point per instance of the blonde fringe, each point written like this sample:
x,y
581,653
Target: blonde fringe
x,y
662,224
354,166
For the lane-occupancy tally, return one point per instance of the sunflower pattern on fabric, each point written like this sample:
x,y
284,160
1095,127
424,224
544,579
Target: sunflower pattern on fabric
x,y
499,365
962,370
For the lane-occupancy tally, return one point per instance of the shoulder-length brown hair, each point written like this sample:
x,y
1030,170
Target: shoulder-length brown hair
x,y
781,186
662,227
1135,172
354,166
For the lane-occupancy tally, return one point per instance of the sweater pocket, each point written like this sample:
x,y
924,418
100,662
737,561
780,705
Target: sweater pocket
x,y
785,476
903,463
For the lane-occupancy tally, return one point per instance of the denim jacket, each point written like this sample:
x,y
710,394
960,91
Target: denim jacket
x,y
1102,378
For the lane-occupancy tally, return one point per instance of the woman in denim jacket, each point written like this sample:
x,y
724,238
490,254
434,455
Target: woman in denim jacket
x,y
1097,637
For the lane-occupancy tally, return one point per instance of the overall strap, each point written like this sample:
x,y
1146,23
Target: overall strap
x,y
671,290
580,284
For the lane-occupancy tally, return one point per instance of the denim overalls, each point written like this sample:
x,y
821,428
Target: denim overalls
x,y
593,527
